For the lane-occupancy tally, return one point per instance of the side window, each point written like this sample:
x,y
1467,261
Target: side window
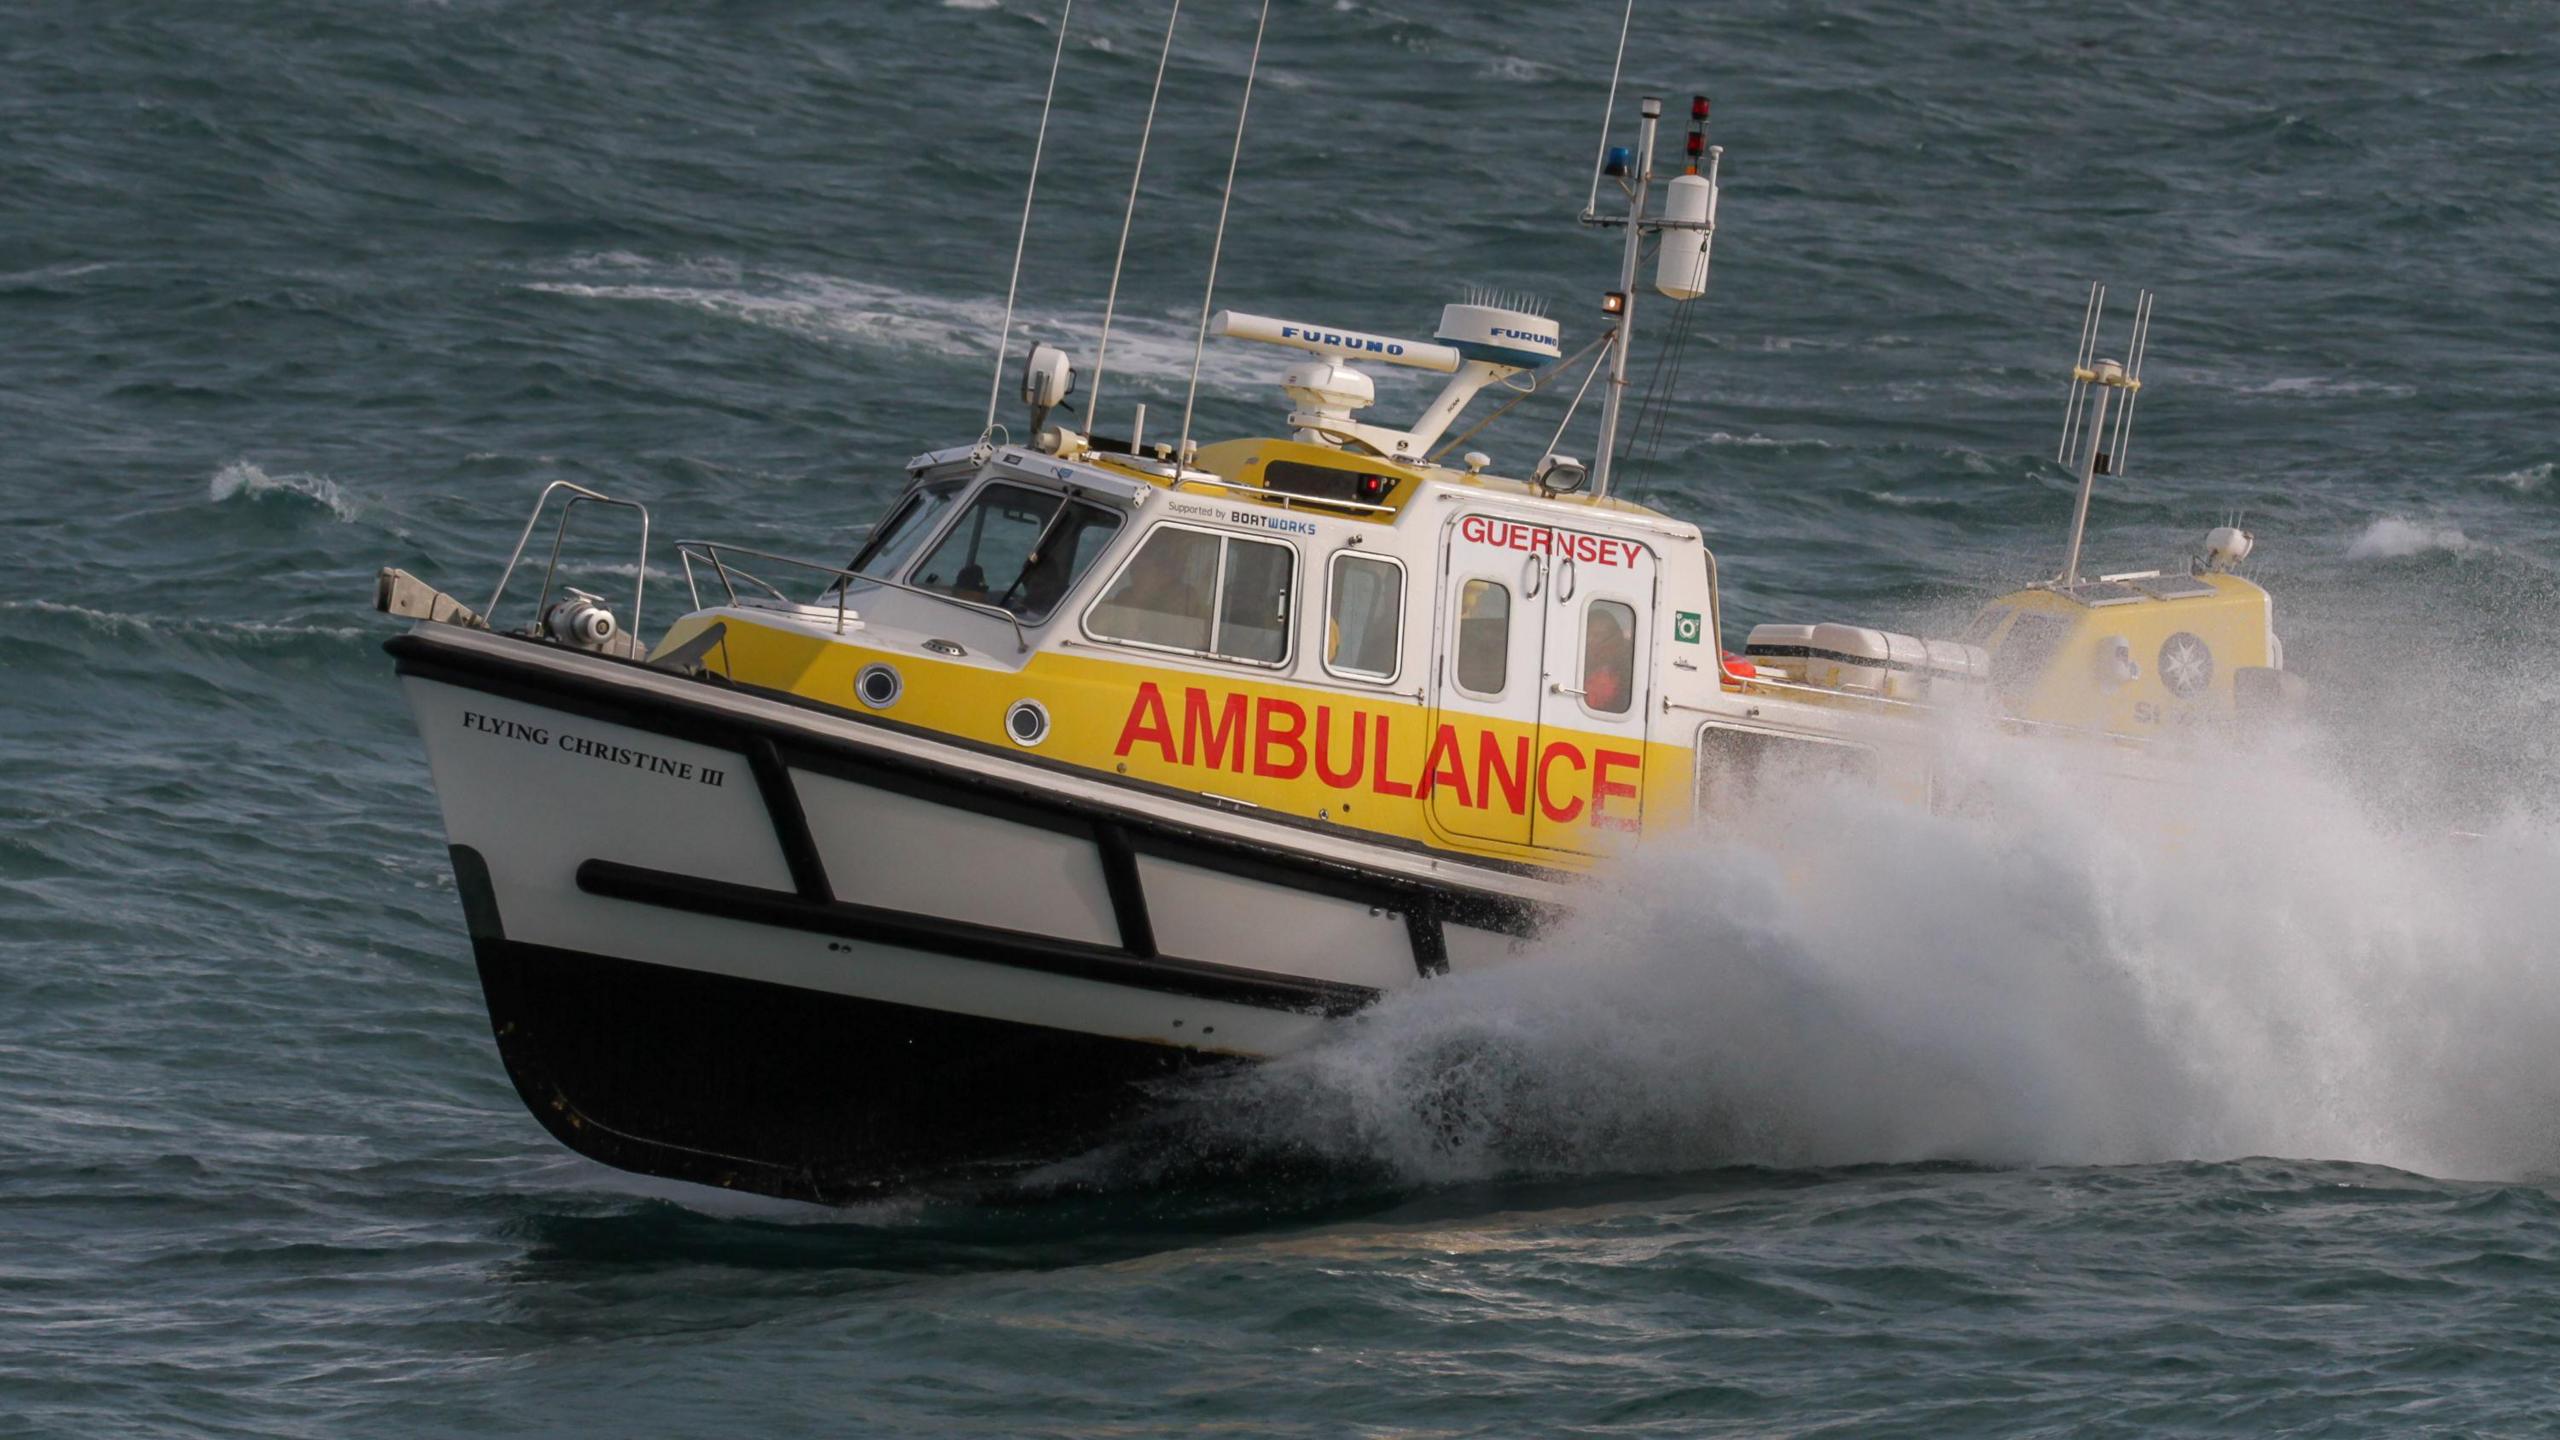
x,y
1738,769
1014,548
1197,591
1609,656
1166,595
2018,661
1484,637
1364,613
909,525
1253,602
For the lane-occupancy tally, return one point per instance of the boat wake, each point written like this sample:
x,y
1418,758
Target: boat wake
x,y
2263,964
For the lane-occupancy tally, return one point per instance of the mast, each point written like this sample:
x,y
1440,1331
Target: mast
x,y
1625,297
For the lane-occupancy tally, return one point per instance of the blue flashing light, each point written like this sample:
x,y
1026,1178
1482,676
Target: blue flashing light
x,y
1619,161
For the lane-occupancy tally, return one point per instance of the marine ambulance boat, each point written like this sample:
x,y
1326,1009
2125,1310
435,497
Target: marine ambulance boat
x,y
1104,759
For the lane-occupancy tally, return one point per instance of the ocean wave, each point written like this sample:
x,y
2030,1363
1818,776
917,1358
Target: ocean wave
x,y
1901,501
2396,537
834,309
2320,385
2529,479
245,634
242,478
1758,441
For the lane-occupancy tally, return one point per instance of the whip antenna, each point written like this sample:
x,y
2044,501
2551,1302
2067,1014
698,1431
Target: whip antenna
x,y
1200,343
1004,337
2122,447
1600,161
1102,352
2090,316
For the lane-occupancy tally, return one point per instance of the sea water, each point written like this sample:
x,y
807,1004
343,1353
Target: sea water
x,y
2236,1111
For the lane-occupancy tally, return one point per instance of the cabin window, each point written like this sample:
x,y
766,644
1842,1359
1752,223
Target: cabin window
x,y
1016,548
1609,656
1253,602
2018,661
1364,616
1210,594
1484,637
911,522
1740,769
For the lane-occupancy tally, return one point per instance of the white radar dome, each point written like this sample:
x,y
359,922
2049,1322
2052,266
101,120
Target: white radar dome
x,y
1497,335
1680,269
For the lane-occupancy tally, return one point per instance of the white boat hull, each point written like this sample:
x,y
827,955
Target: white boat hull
x,y
734,938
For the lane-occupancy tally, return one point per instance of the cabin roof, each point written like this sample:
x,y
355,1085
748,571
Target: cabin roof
x,y
1288,474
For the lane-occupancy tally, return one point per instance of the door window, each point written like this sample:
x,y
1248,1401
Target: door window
x,y
1609,656
1484,637
1364,613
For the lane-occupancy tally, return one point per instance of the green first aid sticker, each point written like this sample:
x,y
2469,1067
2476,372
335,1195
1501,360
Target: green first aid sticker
x,y
1687,627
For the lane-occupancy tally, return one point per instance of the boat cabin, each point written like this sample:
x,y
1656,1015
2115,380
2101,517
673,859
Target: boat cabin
x,y
1440,656
1318,627
1434,655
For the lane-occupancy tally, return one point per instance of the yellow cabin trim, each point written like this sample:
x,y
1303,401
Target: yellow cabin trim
x,y
1508,790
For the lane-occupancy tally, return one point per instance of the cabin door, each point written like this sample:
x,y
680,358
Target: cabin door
x,y
1592,702
1490,665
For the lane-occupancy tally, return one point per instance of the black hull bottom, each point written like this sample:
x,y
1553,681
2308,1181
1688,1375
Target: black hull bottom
x,y
789,1092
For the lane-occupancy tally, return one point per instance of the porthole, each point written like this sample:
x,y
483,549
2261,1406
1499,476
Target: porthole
x,y
1027,721
878,686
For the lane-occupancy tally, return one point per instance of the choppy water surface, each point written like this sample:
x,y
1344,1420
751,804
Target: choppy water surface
x,y
1929,1127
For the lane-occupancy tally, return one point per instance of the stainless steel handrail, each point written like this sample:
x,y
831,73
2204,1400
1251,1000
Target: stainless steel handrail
x,y
1988,717
712,550
580,494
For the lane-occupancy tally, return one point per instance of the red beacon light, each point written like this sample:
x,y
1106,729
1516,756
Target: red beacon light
x,y
1698,107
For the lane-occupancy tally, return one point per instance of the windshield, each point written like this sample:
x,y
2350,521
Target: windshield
x,y
911,521
1016,548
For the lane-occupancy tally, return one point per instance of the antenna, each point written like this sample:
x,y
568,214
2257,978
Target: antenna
x,y
1609,112
2089,318
2084,412
1004,337
1200,343
1102,352
2122,445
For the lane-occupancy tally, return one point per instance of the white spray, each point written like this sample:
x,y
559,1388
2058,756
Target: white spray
x,y
2257,964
